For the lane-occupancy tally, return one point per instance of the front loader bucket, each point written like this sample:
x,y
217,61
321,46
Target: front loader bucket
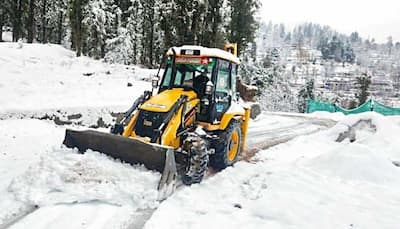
x,y
133,151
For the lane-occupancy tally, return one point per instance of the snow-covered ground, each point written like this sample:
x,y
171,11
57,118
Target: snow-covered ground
x,y
309,182
41,79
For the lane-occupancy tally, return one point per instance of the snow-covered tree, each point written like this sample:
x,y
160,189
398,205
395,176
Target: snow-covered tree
x,y
120,48
306,93
100,16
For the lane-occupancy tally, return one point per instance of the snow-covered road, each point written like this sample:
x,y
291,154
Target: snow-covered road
x,y
61,181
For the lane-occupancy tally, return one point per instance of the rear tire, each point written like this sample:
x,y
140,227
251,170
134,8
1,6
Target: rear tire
x,y
198,161
228,148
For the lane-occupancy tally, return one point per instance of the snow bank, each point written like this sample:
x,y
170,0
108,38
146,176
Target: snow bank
x,y
310,182
42,76
65,176
327,115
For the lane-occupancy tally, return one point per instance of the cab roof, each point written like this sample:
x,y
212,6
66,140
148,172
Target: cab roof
x,y
194,51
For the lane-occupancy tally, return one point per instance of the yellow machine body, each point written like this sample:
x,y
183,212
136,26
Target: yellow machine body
x,y
164,101
160,125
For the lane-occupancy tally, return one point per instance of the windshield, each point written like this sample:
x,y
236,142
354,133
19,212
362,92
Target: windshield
x,y
186,72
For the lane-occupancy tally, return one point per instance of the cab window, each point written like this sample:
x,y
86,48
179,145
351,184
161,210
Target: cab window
x,y
223,77
185,73
233,78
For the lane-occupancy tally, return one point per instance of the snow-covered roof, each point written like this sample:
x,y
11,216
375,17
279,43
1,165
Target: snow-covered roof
x,y
209,52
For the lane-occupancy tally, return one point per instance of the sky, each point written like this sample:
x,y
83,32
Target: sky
x,y
370,18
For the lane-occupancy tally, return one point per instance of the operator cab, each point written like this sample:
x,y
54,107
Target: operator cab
x,y
211,73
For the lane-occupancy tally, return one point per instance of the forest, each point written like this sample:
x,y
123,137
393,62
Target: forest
x,y
130,31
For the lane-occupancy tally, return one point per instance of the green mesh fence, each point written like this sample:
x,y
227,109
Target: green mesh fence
x,y
314,105
385,110
369,105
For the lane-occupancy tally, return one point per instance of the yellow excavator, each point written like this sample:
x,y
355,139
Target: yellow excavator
x,y
190,120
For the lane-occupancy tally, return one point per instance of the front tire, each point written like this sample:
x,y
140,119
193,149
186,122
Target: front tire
x,y
198,160
228,148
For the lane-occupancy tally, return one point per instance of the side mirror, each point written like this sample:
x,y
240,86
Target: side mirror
x,y
209,88
154,82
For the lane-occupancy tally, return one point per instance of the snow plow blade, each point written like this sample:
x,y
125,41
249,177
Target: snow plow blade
x,y
132,151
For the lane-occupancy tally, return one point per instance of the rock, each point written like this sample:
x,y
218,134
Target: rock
x,y
247,92
255,110
74,116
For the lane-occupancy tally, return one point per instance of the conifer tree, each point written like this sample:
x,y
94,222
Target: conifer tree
x,y
78,30
363,83
242,25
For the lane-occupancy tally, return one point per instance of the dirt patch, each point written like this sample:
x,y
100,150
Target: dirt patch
x,y
100,124
55,119
248,154
74,116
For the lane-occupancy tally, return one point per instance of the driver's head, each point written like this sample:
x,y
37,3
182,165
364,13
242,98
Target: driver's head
x,y
203,73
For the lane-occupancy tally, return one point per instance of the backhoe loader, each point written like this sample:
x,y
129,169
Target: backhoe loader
x,y
190,120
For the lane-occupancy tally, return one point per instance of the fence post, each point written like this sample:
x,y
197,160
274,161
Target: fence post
x,y
372,105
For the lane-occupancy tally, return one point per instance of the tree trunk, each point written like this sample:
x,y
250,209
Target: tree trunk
x,y
151,42
60,31
135,51
44,38
78,35
144,51
16,20
31,21
1,21
193,27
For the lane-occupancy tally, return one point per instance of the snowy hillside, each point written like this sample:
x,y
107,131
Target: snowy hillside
x,y
39,78
311,181
334,61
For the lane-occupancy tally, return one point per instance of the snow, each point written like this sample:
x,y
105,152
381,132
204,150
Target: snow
x,y
71,189
312,181
210,52
65,176
63,216
39,77
7,36
40,80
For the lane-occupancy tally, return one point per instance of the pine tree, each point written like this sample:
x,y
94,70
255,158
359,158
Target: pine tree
x,y
182,24
99,21
242,25
119,49
212,34
167,21
2,18
44,6
16,10
134,29
389,45
363,83
305,94
149,21
31,20
56,19
78,30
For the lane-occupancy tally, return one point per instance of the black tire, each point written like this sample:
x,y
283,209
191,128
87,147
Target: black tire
x,y
198,162
228,148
